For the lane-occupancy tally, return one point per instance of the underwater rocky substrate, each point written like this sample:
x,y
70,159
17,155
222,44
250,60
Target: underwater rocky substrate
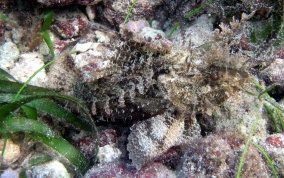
x,y
167,102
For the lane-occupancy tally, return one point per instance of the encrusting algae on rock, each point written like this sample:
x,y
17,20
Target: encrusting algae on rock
x,y
179,107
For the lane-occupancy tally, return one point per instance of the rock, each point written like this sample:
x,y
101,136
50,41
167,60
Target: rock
x,y
230,120
177,10
49,169
103,37
27,65
275,141
55,2
91,12
281,102
87,146
7,4
141,33
10,173
100,33
254,165
62,75
116,11
87,2
108,153
69,24
114,169
12,152
215,156
134,27
234,139
21,38
9,53
205,157
108,136
82,47
2,31
108,140
280,52
121,170
156,170
67,2
171,157
149,139
60,45
43,48
274,147
245,43
274,73
94,61
199,33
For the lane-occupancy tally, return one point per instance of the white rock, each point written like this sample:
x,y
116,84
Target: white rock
x,y
12,152
10,173
9,53
52,169
90,10
61,75
82,47
274,73
102,37
43,49
94,60
108,153
151,138
155,24
281,102
27,65
199,33
150,32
